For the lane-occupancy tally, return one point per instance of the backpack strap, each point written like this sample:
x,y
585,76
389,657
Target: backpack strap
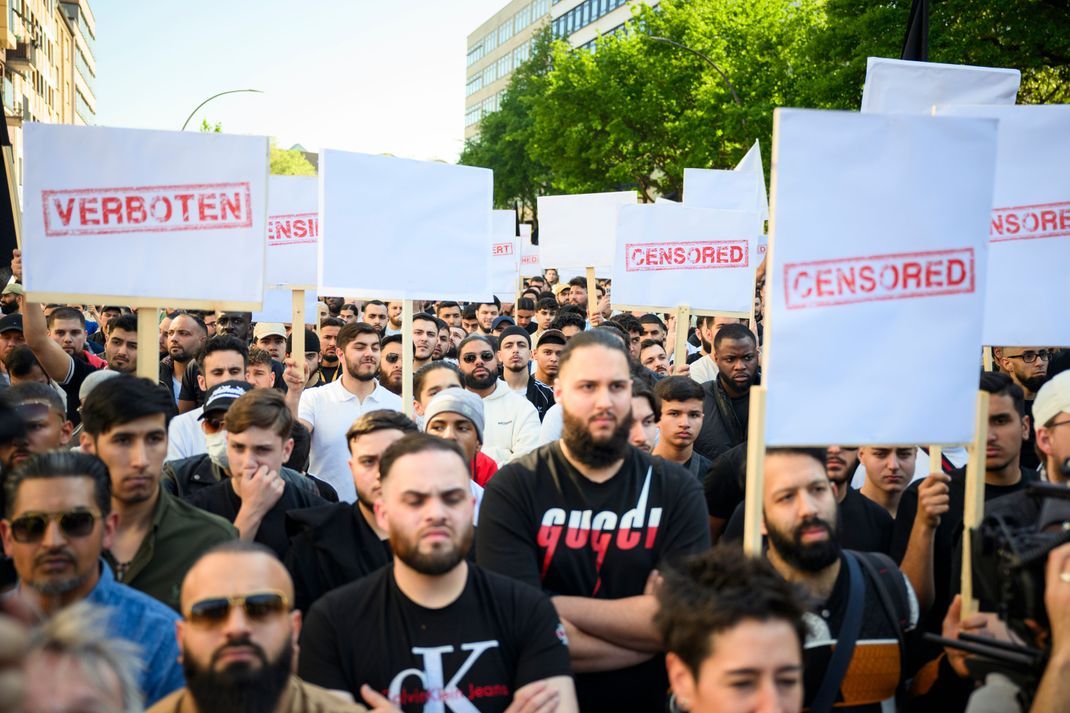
x,y
846,639
881,570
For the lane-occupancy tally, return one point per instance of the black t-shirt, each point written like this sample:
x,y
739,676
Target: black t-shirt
x,y
190,390
723,481
79,369
220,499
329,372
697,465
945,575
330,545
861,524
724,423
497,637
544,523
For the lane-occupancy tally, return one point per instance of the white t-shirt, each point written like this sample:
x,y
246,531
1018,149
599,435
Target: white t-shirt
x,y
331,410
704,369
185,437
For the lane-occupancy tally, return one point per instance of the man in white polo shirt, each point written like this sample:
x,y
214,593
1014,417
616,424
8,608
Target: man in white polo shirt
x,y
328,411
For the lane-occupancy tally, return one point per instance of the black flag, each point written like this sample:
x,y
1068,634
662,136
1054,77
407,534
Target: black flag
x,y
8,193
916,42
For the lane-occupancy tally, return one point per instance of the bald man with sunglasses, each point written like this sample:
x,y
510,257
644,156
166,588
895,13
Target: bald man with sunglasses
x,y
238,639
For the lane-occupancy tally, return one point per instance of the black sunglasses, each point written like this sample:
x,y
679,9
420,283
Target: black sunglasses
x,y
258,607
482,356
31,527
392,358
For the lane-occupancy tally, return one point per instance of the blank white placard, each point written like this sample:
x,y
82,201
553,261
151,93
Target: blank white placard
x,y
578,231
897,86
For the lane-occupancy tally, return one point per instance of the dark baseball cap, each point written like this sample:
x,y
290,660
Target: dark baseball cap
x,y
10,322
552,336
221,396
312,342
499,321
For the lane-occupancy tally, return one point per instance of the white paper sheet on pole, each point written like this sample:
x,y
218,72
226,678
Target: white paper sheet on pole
x,y
881,225
897,86
93,193
278,307
503,255
718,188
530,264
1029,237
292,231
752,163
578,231
395,228
669,256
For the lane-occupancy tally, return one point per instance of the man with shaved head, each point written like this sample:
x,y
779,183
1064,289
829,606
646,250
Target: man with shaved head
x,y
237,638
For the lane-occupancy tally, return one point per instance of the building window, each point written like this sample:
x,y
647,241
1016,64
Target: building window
x,y
539,8
474,85
489,75
471,116
505,31
490,41
475,54
505,66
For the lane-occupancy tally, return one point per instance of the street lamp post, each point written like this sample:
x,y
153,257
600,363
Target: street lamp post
x,y
214,96
704,58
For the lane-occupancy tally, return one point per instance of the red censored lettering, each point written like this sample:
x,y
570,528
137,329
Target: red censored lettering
x,y
1030,222
696,255
107,211
501,249
529,260
293,229
826,283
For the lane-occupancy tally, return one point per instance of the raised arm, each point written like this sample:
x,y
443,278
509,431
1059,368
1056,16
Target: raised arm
x,y
56,362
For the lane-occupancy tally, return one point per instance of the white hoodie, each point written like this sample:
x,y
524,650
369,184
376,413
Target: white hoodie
x,y
510,424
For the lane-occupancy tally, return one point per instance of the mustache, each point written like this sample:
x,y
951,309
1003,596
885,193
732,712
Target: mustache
x,y
243,643
63,552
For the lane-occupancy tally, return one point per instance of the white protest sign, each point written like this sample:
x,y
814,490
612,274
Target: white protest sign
x,y
897,86
292,231
579,231
504,261
94,193
400,229
717,188
278,307
880,235
1029,234
683,256
752,163
530,265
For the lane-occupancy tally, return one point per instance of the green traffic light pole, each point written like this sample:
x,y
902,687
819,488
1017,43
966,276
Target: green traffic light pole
x,y
215,96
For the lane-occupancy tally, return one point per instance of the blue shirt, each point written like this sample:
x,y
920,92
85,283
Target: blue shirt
x,y
142,620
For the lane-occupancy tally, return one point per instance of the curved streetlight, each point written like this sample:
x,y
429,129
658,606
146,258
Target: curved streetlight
x,y
214,96
701,56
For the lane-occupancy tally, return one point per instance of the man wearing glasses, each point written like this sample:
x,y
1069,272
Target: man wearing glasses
x,y
512,423
1028,367
238,636
57,523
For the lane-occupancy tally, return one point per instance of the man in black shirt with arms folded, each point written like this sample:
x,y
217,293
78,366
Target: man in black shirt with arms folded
x,y
589,518
431,629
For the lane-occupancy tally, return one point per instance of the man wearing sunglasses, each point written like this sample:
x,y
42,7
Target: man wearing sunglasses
x,y
512,423
444,630
238,638
158,536
1028,367
390,364
45,416
57,523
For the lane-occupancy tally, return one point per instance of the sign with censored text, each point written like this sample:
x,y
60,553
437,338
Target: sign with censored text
x,y
292,231
97,198
880,239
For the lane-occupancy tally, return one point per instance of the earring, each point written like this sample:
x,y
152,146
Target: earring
x,y
677,705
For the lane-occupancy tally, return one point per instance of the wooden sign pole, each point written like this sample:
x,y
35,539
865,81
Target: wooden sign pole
x,y
752,503
13,193
297,331
406,357
148,342
975,501
592,292
986,358
683,321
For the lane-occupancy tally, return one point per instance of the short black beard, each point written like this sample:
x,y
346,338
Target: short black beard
x,y
435,564
1033,383
9,307
239,688
352,371
470,382
805,558
591,453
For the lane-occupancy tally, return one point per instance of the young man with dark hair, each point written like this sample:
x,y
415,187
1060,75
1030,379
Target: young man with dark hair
x,y
646,412
11,337
727,402
257,491
734,633
545,311
449,630
568,323
157,536
393,317
185,341
801,523
653,356
390,364
703,366
258,371
547,354
349,313
469,320
577,292
376,314
330,365
120,351
449,312
68,371
1028,368
653,328
66,327
234,324
271,337
57,523
47,425
588,518
329,410
631,325
486,313
514,354
525,314
312,357
339,543
681,419
424,338
224,358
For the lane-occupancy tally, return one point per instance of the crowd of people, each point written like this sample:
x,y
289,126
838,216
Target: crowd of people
x,y
555,526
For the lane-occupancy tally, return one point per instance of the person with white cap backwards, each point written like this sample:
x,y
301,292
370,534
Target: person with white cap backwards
x,y
457,415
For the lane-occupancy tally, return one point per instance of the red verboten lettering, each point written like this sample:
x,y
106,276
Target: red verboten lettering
x,y
106,211
695,255
825,283
1030,222
501,249
293,229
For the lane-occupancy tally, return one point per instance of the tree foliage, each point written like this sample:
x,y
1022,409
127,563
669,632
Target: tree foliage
x,y
657,96
285,162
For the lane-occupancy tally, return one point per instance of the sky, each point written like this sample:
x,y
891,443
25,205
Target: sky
x,y
383,76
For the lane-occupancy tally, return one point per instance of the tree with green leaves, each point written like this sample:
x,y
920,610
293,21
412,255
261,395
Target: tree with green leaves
x,y
289,163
